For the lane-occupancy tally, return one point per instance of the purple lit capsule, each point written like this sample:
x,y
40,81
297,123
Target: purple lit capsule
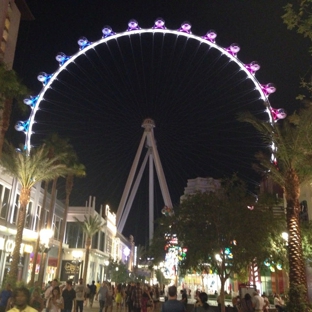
x,y
107,31
253,67
159,24
211,35
233,49
268,89
133,25
185,27
278,113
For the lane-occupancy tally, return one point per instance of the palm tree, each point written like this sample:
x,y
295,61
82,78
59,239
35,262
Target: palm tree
x,y
90,226
10,87
293,140
75,169
56,146
28,169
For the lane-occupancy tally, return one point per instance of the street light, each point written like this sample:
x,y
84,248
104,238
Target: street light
x,y
44,246
77,255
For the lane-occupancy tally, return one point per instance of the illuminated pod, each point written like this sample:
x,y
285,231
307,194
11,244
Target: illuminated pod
x,y
133,28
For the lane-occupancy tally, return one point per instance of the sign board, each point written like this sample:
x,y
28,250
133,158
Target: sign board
x,y
246,289
71,270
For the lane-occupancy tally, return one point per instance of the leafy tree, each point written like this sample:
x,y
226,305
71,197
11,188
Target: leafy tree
x,y
306,234
10,88
118,271
298,16
292,138
90,226
220,232
28,169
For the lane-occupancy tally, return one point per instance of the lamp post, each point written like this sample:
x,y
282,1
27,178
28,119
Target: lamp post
x,y
77,255
44,246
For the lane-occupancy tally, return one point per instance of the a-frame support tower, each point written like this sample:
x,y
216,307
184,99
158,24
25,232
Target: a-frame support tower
x,y
152,157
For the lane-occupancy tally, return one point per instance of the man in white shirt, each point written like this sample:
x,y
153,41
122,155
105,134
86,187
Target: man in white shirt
x,y
80,290
257,302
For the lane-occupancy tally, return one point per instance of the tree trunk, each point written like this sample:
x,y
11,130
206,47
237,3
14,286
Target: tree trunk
x,y
5,115
41,226
69,187
222,296
86,264
24,200
297,275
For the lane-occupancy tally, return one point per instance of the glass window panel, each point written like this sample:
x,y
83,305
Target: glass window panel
x,y
5,204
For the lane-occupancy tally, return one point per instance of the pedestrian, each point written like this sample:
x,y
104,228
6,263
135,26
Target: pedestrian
x,y
246,304
258,302
172,304
146,299
266,303
101,296
236,303
279,303
80,295
184,299
92,293
48,292
21,298
156,296
56,302
119,297
4,297
202,305
69,297
36,300
136,297
129,302
109,298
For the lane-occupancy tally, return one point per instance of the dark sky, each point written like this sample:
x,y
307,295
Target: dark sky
x,y
191,92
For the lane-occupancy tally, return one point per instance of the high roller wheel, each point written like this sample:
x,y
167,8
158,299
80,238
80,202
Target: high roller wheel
x,y
133,29
199,56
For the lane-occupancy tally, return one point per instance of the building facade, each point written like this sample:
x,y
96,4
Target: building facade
x,y
106,244
11,13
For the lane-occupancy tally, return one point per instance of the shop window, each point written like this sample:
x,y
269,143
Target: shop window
x,y
15,208
28,219
74,235
37,219
57,228
5,204
95,240
109,244
102,241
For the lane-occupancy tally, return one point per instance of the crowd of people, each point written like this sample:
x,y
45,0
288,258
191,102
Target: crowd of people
x,y
70,297
134,297
257,303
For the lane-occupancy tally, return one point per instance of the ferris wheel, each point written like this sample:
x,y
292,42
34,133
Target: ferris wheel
x,y
206,43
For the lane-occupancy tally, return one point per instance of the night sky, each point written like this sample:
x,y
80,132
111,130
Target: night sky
x,y
191,92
